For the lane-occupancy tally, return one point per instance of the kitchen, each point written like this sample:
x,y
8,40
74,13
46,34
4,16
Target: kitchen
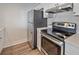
x,y
16,17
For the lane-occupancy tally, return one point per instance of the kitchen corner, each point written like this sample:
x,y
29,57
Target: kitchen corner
x,y
36,28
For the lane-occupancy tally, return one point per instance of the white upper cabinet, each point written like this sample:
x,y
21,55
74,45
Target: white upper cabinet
x,y
76,8
48,6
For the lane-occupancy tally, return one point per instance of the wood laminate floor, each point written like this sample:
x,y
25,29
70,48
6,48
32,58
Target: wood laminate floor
x,y
20,49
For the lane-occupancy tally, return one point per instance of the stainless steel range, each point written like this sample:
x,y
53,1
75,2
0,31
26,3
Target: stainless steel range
x,y
52,39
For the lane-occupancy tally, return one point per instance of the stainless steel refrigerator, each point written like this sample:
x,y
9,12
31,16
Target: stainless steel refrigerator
x,y
35,20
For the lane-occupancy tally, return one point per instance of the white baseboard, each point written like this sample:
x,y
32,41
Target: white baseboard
x,y
15,43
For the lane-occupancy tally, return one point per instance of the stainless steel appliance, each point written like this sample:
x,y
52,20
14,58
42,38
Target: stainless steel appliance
x,y
53,39
61,8
35,20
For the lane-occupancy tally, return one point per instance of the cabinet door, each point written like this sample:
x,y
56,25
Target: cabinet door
x,y
71,49
76,8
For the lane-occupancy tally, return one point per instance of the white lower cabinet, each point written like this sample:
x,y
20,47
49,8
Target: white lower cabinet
x,y
71,49
1,40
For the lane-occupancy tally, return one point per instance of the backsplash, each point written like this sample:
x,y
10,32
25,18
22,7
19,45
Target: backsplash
x,y
64,17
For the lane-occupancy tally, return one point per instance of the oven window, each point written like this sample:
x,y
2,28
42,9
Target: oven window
x,y
50,47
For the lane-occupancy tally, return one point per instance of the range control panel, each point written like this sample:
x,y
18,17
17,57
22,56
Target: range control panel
x,y
64,25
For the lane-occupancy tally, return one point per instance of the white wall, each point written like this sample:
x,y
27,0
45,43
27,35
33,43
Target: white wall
x,y
16,25
15,17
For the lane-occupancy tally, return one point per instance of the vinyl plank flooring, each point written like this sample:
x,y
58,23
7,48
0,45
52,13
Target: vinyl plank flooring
x,y
20,49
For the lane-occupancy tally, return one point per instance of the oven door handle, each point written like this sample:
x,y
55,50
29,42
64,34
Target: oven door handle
x,y
58,42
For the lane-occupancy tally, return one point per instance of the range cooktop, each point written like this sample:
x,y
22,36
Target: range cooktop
x,y
61,30
56,34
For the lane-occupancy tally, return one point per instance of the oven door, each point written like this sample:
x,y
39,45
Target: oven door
x,y
50,46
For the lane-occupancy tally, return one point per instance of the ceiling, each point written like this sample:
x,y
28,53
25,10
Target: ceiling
x,y
22,5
